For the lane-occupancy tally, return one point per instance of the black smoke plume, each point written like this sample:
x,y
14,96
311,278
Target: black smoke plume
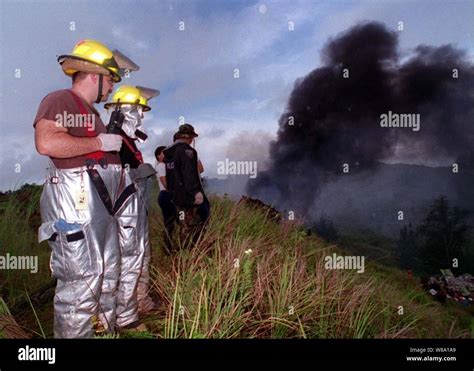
x,y
336,120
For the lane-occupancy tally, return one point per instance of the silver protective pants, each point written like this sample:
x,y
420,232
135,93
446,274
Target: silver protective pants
x,y
143,186
132,237
88,263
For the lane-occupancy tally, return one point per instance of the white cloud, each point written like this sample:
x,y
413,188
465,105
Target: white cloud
x,y
194,69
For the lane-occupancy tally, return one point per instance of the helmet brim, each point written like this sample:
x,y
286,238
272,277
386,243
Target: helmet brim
x,y
181,135
72,62
111,104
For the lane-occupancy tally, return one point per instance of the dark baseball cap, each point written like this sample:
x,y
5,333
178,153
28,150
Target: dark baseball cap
x,y
186,131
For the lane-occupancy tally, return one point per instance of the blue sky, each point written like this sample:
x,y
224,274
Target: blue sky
x,y
194,68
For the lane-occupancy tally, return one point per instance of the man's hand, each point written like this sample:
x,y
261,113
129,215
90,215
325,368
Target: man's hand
x,y
198,198
110,142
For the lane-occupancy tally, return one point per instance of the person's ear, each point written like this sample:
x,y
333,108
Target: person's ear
x,y
94,77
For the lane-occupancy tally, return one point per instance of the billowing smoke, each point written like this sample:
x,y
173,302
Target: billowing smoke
x,y
333,119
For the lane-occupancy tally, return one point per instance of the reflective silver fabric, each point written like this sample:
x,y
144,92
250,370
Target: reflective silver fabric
x,y
143,185
87,264
131,239
133,119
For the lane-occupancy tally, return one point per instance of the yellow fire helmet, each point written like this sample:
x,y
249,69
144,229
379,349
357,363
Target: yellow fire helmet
x,y
94,57
135,95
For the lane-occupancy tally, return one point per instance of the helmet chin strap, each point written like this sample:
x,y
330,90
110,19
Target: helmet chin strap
x,y
99,91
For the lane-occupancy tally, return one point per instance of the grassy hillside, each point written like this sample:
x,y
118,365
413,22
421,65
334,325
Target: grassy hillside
x,y
247,277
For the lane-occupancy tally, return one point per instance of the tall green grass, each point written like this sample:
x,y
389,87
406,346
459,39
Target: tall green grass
x,y
19,220
247,277
9,328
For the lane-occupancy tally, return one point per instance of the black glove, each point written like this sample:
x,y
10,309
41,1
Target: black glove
x,y
115,122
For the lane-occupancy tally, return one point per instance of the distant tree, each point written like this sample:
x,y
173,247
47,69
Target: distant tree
x,y
444,236
466,265
441,237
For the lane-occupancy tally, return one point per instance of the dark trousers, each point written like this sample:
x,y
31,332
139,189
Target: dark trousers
x,y
168,209
170,216
203,210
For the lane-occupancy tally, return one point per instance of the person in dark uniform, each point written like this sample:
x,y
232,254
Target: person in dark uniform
x,y
192,208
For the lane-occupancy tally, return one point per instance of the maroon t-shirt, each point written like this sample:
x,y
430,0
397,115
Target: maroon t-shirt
x,y
60,106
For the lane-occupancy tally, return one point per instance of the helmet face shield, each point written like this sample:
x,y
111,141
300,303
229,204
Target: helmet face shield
x,y
132,119
132,101
124,63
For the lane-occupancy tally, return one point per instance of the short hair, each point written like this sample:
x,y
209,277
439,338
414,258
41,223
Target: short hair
x,y
76,76
158,150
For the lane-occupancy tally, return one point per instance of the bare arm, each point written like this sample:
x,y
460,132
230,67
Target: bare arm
x,y
54,141
200,166
163,181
